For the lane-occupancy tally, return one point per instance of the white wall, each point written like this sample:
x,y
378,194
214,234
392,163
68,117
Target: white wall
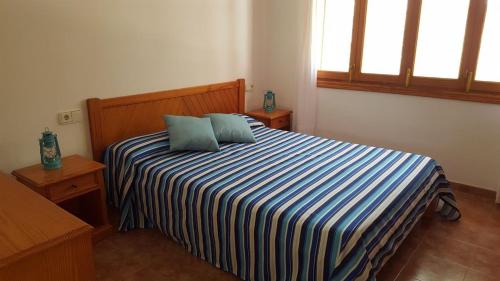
x,y
276,65
464,137
56,54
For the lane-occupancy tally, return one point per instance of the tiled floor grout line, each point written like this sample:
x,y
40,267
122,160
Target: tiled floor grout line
x,y
469,243
465,275
468,268
451,261
409,258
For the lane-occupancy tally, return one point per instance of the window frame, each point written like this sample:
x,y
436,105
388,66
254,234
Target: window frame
x,y
464,87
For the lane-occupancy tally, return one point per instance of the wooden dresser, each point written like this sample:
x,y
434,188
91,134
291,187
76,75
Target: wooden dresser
x,y
40,241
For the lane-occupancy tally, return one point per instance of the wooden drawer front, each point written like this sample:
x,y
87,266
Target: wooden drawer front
x,y
266,122
69,188
279,123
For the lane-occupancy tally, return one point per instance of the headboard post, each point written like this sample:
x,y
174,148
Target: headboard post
x,y
241,96
95,125
116,119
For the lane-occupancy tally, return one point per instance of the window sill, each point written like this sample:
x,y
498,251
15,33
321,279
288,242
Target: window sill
x,y
481,97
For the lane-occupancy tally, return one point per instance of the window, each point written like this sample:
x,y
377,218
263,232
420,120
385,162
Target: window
x,y
337,34
437,48
488,66
382,50
440,42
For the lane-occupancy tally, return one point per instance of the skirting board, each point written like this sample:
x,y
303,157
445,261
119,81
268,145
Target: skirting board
x,y
489,194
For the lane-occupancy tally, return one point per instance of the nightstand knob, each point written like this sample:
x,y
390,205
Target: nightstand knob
x,y
74,186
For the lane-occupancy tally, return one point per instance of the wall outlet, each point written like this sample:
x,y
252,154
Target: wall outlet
x,y
69,117
249,88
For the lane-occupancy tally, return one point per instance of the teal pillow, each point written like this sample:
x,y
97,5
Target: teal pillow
x,y
231,128
191,133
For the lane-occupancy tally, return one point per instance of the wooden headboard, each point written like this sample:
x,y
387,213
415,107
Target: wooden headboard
x,y
119,118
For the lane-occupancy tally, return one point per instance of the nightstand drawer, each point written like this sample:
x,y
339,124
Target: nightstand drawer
x,y
67,189
278,119
281,122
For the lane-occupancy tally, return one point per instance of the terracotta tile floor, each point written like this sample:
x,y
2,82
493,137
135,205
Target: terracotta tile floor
x,y
436,250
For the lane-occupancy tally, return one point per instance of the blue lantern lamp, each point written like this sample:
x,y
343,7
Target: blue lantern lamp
x,y
269,101
50,152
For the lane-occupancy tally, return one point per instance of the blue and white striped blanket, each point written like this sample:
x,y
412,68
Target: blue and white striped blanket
x,y
290,207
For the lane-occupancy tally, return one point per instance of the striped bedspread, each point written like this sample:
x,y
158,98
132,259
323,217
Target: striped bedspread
x,y
290,207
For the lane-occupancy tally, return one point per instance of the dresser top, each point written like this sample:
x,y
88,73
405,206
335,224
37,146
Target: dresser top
x,y
72,166
31,223
277,113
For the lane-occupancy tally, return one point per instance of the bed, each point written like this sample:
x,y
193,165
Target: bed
x,y
289,207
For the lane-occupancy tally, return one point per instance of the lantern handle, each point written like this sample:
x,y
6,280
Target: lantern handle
x,y
57,146
41,149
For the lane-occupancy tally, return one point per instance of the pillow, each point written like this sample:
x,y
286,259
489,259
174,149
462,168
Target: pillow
x,y
231,128
191,133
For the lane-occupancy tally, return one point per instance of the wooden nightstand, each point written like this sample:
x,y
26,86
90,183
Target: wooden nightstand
x,y
78,187
278,119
